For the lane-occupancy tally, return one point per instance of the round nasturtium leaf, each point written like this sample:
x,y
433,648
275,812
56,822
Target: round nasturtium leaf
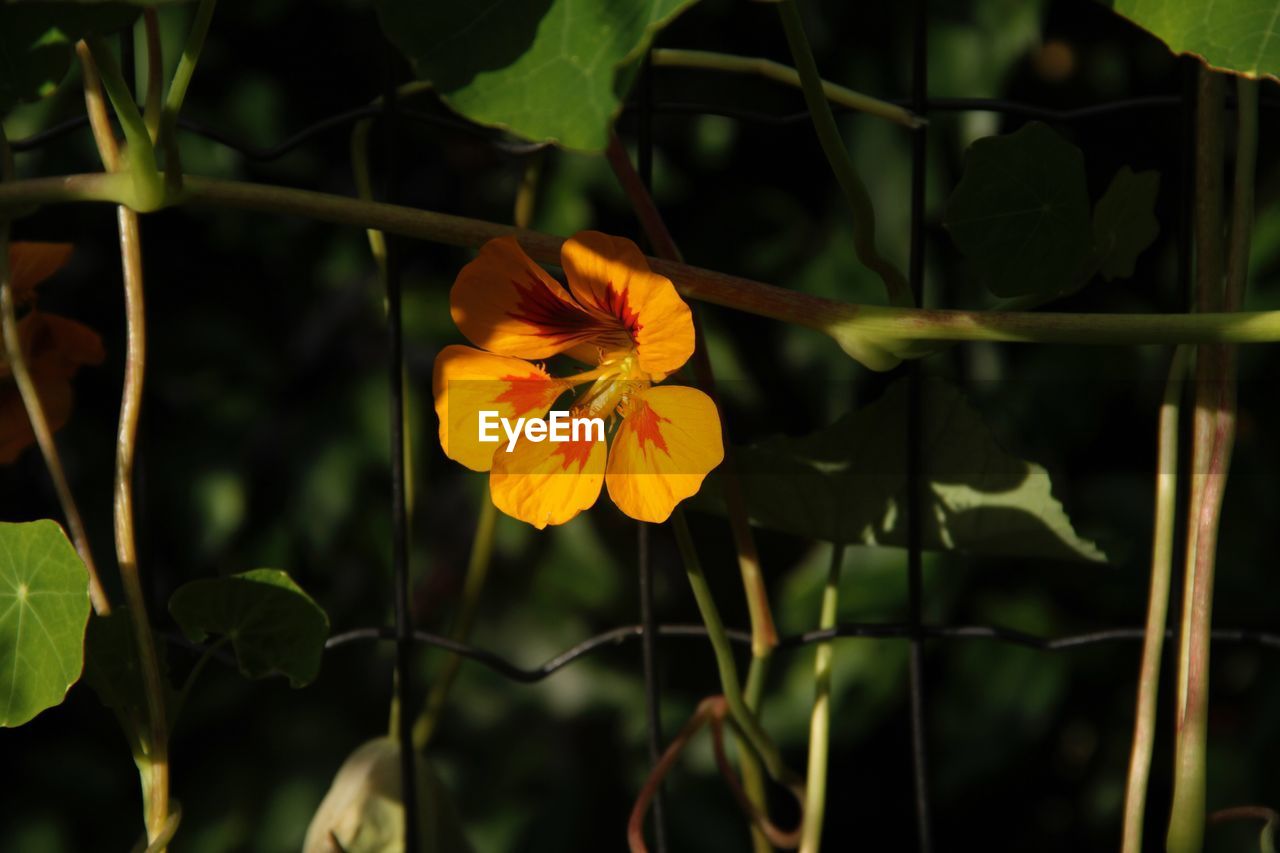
x,y
1021,212
44,608
274,627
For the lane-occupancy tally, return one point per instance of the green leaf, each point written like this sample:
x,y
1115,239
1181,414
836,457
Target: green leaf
x,y
548,70
37,39
1232,35
1124,222
44,605
273,626
364,808
847,483
113,668
1021,212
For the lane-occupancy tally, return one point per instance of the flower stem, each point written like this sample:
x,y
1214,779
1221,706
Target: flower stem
x,y
855,191
35,410
839,95
730,686
820,720
1144,723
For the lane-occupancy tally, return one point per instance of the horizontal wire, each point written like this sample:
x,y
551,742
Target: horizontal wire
x,y
506,144
864,630
266,153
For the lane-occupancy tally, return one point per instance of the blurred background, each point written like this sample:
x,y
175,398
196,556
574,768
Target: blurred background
x,y
264,443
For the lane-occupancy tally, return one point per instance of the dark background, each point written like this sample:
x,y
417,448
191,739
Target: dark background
x,y
264,443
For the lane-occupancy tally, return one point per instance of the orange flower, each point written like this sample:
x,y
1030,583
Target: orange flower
x,y
616,315
53,348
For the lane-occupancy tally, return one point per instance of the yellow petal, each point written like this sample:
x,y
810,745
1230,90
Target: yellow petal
x,y
610,277
467,381
505,303
547,482
32,263
667,443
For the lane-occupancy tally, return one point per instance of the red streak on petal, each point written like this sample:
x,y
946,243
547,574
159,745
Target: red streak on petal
x,y
525,393
573,451
644,422
552,317
618,303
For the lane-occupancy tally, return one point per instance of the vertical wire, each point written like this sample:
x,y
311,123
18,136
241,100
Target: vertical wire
x,y
648,617
915,418
399,504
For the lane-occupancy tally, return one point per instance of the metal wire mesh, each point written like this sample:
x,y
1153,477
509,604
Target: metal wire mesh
x,y
912,630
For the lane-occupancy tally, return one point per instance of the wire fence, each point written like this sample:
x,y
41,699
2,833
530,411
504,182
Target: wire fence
x,y
392,113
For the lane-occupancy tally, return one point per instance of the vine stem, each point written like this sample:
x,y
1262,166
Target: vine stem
x,y
877,336
1166,504
156,744
706,60
706,709
153,757
1214,433
855,191
815,805
35,410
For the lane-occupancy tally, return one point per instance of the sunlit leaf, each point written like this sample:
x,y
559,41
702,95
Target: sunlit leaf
x,y
1124,223
44,605
273,626
37,39
548,70
847,483
364,809
1021,211
1233,35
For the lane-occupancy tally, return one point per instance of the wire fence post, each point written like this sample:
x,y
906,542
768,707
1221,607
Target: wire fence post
x,y
648,617
915,418
399,498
